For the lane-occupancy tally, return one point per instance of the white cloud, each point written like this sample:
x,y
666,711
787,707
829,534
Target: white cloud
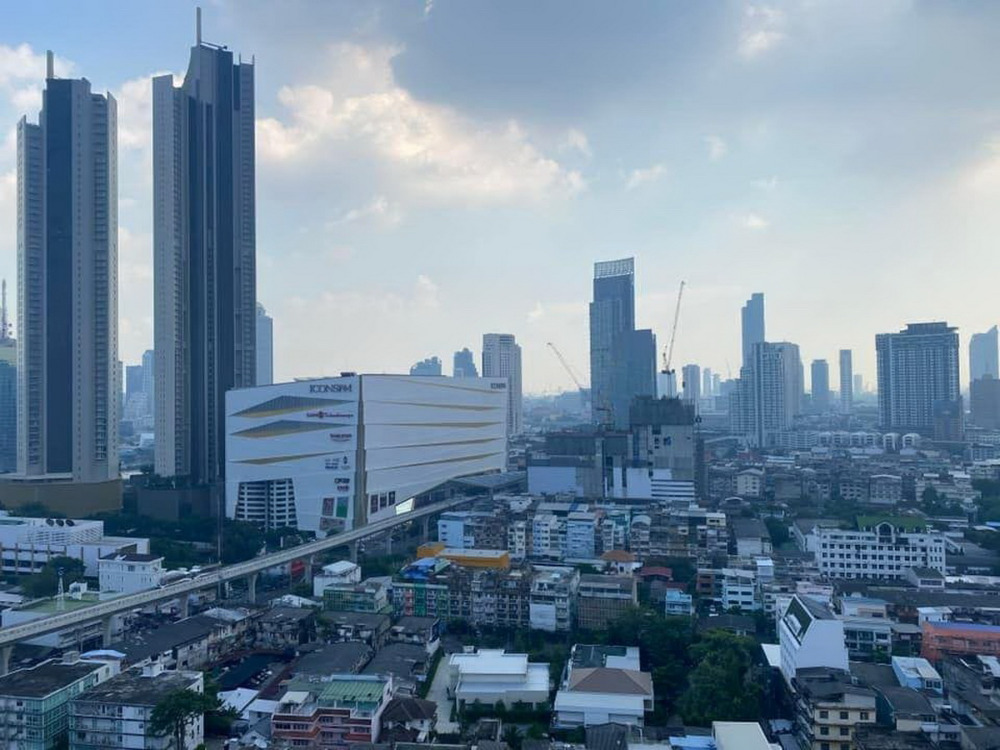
x,y
380,209
135,282
717,147
428,7
767,184
22,75
983,176
754,221
432,151
644,175
763,29
576,140
426,294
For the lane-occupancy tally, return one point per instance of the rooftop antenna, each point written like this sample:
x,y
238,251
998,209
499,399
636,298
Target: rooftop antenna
x,y
197,16
50,64
61,596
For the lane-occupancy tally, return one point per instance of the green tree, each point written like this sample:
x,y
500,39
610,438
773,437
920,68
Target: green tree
x,y
241,541
778,530
512,736
45,582
35,510
173,715
723,685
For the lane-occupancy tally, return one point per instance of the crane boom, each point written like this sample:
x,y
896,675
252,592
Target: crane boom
x,y
565,364
668,353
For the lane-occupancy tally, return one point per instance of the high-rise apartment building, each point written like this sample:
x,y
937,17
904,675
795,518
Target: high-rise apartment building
x,y
502,359
791,363
759,406
69,381
752,319
464,365
820,386
706,383
984,402
859,383
265,347
622,359
8,390
918,380
204,248
691,384
846,381
983,354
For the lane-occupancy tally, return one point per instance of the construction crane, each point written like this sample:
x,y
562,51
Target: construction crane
x,y
565,364
668,351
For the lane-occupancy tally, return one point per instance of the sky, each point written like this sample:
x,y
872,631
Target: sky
x,y
429,171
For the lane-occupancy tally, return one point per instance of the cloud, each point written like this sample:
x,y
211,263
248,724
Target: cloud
x,y
754,222
983,175
767,184
644,175
576,140
426,293
430,151
135,111
763,29
22,75
379,209
135,282
717,147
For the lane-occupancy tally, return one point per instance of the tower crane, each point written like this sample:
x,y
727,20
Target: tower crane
x,y
566,367
668,352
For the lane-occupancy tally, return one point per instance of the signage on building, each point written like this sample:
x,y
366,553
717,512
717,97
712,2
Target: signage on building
x,y
331,387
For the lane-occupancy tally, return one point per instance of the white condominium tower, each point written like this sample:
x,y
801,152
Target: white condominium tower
x,y
502,359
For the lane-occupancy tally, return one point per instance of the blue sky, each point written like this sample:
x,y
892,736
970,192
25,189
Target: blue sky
x,y
430,171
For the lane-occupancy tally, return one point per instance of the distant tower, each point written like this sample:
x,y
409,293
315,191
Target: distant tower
x,y
265,347
502,359
846,381
983,353
430,366
820,385
69,379
464,365
691,384
752,320
8,389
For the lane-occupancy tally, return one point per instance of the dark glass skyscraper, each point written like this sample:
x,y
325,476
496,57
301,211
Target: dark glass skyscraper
x,y
752,319
69,381
622,359
204,246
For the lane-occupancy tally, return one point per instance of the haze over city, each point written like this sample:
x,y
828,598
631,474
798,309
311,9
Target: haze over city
x,y
431,171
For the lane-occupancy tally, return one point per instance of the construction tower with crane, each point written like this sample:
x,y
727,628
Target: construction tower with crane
x,y
668,380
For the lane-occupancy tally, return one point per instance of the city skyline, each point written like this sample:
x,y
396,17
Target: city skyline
x,y
751,208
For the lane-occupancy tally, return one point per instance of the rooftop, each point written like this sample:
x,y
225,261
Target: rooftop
x,y
337,689
135,689
132,557
624,657
401,660
334,658
606,680
46,678
490,661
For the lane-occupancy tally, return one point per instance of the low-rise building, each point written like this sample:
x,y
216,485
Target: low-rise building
x,y
116,713
603,685
553,598
340,573
885,489
418,631
407,719
603,599
867,637
828,708
750,483
129,572
366,627
285,627
333,712
879,547
33,702
810,635
495,559
942,639
491,676
678,604
370,596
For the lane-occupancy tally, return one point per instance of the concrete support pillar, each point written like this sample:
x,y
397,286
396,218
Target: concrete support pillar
x,y
425,529
252,587
5,653
108,633
307,576
352,552
388,542
184,606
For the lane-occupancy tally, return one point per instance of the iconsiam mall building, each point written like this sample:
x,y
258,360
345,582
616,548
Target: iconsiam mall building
x,y
332,454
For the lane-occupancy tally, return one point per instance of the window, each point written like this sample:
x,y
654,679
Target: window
x,y
824,746
824,731
864,716
844,715
824,714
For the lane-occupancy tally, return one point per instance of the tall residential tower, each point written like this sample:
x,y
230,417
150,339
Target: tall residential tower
x,y
983,353
502,359
265,347
204,248
752,319
69,381
846,381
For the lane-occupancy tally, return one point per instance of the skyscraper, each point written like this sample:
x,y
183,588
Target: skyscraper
x,y
752,319
983,353
918,380
691,383
464,365
794,377
820,386
204,248
69,381
706,383
622,359
859,383
846,381
8,390
265,347
759,405
502,359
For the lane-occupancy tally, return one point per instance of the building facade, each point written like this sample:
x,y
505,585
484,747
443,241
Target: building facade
x,y
502,359
878,548
983,355
691,384
622,359
337,712
752,324
265,347
8,403
820,374
333,454
69,376
204,257
918,380
464,364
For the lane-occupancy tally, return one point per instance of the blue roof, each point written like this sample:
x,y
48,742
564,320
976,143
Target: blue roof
x,y
967,626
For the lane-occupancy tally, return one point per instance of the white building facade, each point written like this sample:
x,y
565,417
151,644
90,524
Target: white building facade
x,y
332,454
887,549
129,572
502,359
26,544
